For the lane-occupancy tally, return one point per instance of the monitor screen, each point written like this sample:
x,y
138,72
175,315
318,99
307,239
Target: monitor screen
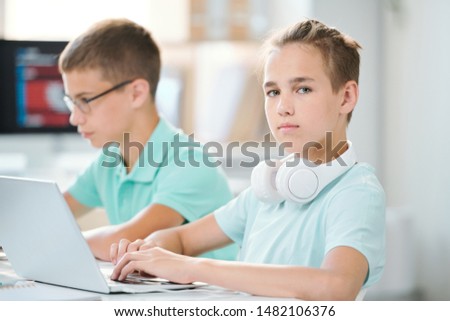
x,y
31,88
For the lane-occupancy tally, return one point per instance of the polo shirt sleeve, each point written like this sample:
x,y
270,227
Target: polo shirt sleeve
x,y
193,191
357,219
84,189
233,217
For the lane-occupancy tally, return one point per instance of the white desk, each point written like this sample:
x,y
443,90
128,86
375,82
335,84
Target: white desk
x,y
206,293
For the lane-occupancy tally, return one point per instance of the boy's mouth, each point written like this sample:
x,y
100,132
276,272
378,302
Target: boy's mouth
x,y
86,135
288,127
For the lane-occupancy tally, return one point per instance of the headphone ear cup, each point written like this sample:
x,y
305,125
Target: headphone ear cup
x,y
298,183
302,182
263,183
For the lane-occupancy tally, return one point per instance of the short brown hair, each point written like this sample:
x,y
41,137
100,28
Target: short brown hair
x,y
119,48
339,51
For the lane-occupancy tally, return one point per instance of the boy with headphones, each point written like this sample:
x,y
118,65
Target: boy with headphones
x,y
311,227
144,176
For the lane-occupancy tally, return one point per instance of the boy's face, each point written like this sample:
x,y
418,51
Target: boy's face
x,y
108,117
299,102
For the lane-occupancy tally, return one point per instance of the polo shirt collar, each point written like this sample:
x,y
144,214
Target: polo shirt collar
x,y
155,152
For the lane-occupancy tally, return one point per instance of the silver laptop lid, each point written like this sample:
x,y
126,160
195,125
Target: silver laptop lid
x,y
41,237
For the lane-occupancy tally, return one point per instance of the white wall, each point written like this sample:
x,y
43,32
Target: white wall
x,y
62,20
286,12
416,139
401,124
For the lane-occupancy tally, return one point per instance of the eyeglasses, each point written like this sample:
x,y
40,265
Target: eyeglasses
x,y
83,103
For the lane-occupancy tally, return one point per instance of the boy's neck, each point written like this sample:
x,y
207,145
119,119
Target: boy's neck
x,y
134,143
330,149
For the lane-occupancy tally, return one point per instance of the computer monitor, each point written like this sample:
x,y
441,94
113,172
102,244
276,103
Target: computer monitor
x,y
31,88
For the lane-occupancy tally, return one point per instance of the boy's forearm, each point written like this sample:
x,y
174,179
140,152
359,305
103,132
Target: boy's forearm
x,y
242,277
272,280
192,239
77,209
168,239
154,218
100,240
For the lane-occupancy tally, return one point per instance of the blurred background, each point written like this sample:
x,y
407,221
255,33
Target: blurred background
x,y
208,87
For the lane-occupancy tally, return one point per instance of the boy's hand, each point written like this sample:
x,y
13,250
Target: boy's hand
x,y
118,250
154,261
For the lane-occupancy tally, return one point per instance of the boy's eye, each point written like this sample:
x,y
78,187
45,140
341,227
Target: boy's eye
x,y
272,93
304,90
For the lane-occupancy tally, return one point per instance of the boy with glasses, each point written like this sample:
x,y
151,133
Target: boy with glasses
x,y
110,75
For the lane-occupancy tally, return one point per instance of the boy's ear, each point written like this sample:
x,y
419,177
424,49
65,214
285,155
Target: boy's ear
x,y
350,93
140,92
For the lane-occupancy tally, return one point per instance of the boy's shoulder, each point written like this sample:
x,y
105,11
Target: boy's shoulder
x,y
360,176
362,172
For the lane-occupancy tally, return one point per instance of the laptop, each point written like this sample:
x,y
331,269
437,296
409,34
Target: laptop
x,y
43,242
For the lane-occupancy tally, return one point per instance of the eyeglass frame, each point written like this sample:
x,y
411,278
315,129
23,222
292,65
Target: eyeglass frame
x,y
70,103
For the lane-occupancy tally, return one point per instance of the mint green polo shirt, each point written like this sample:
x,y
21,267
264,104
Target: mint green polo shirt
x,y
350,211
176,177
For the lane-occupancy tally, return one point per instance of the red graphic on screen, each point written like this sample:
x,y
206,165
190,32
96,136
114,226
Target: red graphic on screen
x,y
40,100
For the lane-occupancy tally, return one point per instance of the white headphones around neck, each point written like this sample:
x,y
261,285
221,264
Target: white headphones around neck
x,y
297,179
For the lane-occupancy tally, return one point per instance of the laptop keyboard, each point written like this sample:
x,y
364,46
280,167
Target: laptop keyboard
x,y
135,278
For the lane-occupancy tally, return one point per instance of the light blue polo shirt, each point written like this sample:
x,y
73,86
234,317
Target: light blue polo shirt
x,y
350,211
176,177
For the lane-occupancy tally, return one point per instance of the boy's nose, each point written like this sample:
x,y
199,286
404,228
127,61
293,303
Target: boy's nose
x,y
77,117
285,106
